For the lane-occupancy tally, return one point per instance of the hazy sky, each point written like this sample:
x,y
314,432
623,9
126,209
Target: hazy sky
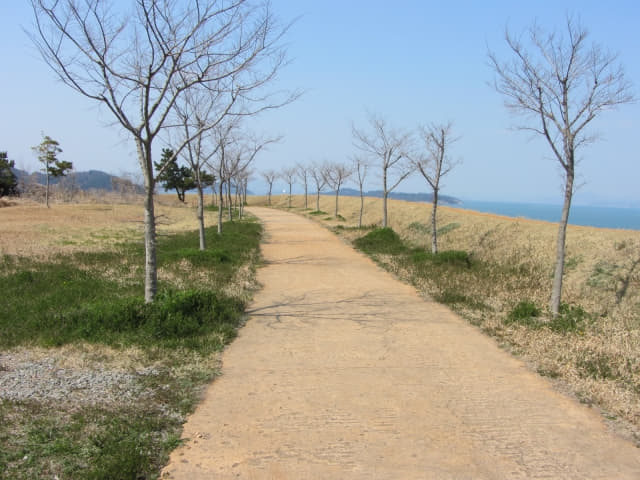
x,y
412,62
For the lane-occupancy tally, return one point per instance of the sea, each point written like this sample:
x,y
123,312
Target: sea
x,y
602,217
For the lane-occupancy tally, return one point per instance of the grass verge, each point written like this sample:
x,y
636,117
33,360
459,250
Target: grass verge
x,y
84,316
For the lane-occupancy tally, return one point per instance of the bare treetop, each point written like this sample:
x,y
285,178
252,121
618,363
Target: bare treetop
x,y
389,148
138,62
435,162
383,143
560,83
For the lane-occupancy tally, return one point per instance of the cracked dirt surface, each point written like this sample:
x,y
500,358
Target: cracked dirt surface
x,y
343,372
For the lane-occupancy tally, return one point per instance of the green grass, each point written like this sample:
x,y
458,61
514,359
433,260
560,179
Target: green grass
x,y
571,318
381,240
525,313
70,300
97,298
88,443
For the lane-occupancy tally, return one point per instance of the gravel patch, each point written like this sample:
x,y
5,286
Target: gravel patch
x,y
23,377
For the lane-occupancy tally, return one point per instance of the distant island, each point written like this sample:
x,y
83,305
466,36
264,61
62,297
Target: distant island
x,y
409,197
93,179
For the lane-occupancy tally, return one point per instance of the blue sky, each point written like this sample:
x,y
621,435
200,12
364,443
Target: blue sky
x,y
412,62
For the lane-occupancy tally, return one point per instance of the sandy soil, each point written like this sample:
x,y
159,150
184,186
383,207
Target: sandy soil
x,y
343,372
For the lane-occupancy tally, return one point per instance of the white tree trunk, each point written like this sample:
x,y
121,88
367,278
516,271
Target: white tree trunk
x,y
556,291
220,207
434,229
384,208
150,265
385,193
200,215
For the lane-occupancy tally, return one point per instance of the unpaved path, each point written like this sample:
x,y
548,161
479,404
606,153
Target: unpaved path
x,y
342,372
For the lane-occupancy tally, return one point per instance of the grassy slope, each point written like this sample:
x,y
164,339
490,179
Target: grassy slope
x,y
593,350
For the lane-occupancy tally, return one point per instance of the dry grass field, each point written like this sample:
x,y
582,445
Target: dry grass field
x,y
598,361
29,229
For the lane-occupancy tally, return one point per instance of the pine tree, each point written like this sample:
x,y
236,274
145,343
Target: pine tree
x,y
172,176
8,181
47,153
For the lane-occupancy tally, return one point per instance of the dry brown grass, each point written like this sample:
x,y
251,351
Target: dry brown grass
x,y
600,364
31,229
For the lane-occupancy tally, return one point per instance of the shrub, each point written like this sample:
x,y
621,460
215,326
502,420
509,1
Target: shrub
x,y
446,257
453,257
570,318
525,313
381,240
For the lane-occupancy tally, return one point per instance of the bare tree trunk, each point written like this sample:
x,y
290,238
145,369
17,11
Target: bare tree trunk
x,y
318,201
556,291
150,267
337,194
220,206
361,209
434,227
244,192
384,208
385,193
200,215
46,192
229,201
306,204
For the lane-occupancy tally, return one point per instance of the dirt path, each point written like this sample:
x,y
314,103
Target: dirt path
x,y
342,372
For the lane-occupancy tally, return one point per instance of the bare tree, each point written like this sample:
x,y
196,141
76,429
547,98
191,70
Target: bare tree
x,y
224,139
335,175
434,164
316,172
360,168
242,182
288,174
234,157
269,177
559,85
138,62
389,148
302,171
245,153
193,111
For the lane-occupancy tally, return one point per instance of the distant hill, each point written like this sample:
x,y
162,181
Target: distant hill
x,y
409,197
93,179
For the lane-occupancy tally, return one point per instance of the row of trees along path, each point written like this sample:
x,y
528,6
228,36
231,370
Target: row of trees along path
x,y
151,63
343,372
